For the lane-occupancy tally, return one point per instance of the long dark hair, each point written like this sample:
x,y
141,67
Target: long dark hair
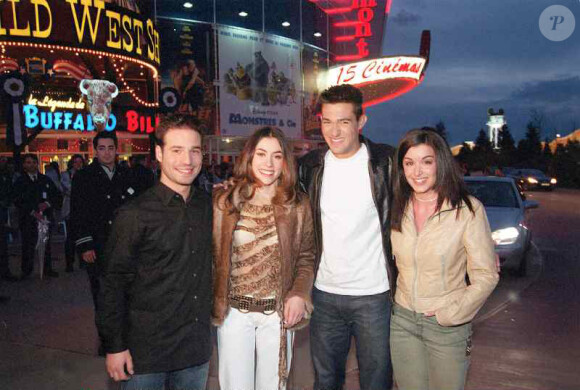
x,y
245,181
449,183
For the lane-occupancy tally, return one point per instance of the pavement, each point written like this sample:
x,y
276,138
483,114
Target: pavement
x,y
48,338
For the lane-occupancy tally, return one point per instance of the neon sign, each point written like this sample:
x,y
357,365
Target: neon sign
x,y
379,79
89,23
53,104
62,120
141,123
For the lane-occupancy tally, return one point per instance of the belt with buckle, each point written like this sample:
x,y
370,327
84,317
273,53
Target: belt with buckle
x,y
249,304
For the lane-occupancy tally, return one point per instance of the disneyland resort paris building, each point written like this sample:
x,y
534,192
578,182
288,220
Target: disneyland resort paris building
x,y
234,65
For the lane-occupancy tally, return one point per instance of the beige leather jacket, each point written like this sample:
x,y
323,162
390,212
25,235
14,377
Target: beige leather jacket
x,y
432,264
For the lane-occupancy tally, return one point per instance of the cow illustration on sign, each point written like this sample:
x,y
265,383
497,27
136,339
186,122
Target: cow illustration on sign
x,y
99,94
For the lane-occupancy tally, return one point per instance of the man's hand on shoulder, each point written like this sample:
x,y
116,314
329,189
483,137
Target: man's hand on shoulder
x,y
116,363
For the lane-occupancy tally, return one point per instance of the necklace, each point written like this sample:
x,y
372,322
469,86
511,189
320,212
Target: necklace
x,y
426,200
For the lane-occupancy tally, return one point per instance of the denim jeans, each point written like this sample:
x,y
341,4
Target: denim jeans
x,y
338,317
427,355
191,378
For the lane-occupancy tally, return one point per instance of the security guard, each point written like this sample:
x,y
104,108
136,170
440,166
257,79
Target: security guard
x,y
97,191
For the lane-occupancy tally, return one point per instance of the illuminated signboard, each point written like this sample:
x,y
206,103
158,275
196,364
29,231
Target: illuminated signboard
x,y
379,79
57,115
356,27
90,24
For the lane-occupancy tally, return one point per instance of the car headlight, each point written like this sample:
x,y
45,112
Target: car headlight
x,y
531,180
505,236
553,181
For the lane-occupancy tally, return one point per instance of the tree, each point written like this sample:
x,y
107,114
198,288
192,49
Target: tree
x,y
483,154
530,148
441,130
507,148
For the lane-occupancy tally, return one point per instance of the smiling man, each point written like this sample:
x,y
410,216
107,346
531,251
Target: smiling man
x,y
155,316
349,188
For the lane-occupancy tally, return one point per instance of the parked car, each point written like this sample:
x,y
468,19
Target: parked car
x,y
530,179
506,211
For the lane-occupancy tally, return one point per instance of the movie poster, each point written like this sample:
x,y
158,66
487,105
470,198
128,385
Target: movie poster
x,y
260,76
314,65
187,71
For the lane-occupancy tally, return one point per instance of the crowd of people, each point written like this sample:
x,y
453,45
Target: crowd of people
x,y
358,239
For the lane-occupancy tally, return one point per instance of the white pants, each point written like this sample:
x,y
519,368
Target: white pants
x,y
248,351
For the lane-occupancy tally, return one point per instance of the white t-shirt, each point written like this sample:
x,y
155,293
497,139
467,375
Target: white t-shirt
x,y
353,260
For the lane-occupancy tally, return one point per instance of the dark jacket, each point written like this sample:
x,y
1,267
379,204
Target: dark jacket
x,y
296,240
156,294
311,169
29,194
94,199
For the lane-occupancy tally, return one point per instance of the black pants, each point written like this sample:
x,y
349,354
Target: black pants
x,y
29,233
69,245
4,267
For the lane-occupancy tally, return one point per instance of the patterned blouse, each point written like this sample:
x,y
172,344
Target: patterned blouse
x,y
256,262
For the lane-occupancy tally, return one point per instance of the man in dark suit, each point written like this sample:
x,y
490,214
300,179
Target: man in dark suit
x,y
35,196
96,192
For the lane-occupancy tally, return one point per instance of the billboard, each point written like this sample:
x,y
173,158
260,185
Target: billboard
x,y
186,80
260,76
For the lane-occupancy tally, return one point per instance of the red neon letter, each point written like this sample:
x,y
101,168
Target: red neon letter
x,y
132,123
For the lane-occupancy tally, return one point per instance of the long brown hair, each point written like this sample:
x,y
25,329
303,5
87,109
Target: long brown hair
x,y
449,183
245,181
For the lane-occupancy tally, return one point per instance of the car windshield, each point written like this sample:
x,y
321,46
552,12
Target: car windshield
x,y
493,193
532,172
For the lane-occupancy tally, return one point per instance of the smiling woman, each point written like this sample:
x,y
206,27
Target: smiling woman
x,y
264,262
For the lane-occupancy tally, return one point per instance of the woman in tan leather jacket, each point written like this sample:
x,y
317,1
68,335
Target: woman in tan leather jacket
x,y
263,265
439,235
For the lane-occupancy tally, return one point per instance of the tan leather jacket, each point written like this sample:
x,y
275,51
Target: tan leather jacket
x,y
432,264
296,239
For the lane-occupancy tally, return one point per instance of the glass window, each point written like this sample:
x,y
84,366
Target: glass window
x,y
493,194
201,10
283,18
240,13
314,24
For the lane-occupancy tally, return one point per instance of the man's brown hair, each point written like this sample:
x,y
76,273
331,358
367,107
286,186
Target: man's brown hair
x,y
344,93
175,121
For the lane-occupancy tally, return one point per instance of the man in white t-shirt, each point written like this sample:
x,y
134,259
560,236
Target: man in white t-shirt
x,y
349,188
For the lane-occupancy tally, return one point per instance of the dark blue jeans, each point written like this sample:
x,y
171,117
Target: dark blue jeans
x,y
334,320
191,378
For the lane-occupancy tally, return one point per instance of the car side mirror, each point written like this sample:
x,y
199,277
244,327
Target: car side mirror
x,y
531,204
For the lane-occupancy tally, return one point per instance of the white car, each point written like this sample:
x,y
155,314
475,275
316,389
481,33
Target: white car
x,y
506,212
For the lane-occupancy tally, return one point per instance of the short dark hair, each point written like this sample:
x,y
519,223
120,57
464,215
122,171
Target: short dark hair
x,y
175,121
30,155
344,93
105,135
75,156
449,183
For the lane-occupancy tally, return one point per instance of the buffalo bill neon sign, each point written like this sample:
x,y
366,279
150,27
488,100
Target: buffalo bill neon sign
x,y
380,79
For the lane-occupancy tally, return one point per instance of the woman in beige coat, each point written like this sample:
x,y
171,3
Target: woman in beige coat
x,y
439,235
263,265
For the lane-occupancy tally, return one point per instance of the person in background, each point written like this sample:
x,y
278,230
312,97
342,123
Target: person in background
x,y
141,175
36,198
155,317
350,191
52,171
440,235
264,265
76,163
5,201
97,192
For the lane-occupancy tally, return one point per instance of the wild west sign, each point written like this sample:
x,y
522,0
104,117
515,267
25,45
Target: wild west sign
x,y
91,24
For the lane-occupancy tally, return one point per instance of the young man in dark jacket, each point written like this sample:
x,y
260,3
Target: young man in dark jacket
x,y
157,293
97,191
36,197
349,188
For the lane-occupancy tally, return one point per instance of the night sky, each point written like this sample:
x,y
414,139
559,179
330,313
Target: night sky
x,y
483,54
